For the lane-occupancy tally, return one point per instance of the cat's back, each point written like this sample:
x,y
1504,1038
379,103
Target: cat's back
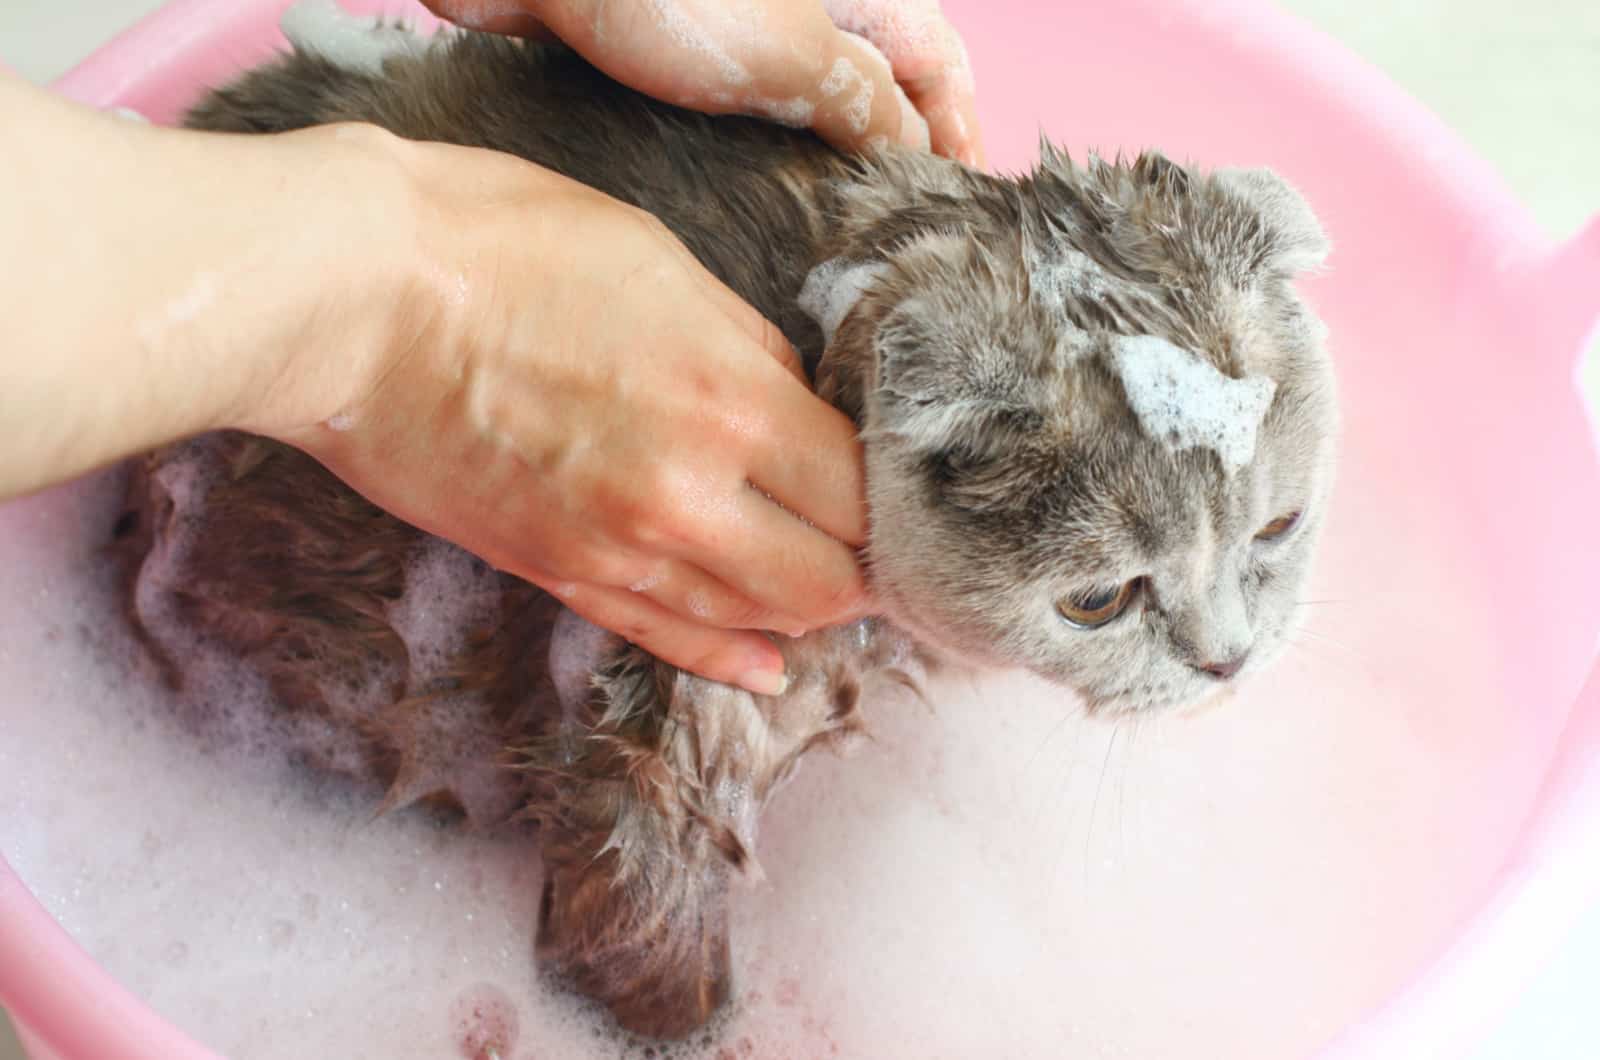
x,y
738,191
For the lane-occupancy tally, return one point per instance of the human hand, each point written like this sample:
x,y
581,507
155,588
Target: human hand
x,y
640,456
802,63
442,327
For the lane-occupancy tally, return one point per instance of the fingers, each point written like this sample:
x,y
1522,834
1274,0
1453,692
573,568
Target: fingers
x,y
691,593
930,61
858,101
945,96
804,455
759,549
490,16
822,480
748,320
748,660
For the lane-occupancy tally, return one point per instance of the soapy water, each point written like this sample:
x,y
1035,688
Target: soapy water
x,y
989,875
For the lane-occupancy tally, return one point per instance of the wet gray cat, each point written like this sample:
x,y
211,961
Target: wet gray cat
x,y
1099,430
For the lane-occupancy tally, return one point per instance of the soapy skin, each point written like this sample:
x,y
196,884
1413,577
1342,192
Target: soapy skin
x,y
874,71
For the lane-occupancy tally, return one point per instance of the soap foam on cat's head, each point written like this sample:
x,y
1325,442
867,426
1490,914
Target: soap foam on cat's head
x,y
832,290
1066,275
1184,401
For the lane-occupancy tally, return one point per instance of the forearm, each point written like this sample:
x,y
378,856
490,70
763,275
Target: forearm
x,y
163,282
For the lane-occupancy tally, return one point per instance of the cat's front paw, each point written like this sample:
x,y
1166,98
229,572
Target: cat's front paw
x,y
651,946
638,849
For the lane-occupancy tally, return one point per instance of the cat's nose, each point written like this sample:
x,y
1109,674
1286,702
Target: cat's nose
x,y
1222,671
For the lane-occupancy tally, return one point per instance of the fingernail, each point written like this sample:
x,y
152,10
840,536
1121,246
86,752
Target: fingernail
x,y
764,682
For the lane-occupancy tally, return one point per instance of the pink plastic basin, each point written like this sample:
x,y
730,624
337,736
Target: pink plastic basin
x,y
1456,328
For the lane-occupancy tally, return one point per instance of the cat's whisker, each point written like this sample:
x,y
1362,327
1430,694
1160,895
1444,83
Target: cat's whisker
x,y
1300,656
1333,642
1310,648
1317,653
1122,791
1065,823
1040,807
1050,734
1094,806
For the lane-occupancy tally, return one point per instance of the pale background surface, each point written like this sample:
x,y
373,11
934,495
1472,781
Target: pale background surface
x,y
1520,81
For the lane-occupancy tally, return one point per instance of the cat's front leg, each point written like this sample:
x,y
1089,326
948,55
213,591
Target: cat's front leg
x,y
646,799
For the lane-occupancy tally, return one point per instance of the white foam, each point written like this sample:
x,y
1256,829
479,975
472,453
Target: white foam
x,y
324,28
448,591
795,112
858,112
647,582
832,290
839,77
1068,274
699,604
900,30
1184,401
912,34
978,860
958,72
689,34
576,648
155,328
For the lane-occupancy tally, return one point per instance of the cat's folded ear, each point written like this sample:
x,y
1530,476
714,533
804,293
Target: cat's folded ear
x,y
938,390
1291,238
958,359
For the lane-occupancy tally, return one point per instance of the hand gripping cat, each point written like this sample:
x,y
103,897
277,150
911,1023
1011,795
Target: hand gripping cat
x,y
1099,428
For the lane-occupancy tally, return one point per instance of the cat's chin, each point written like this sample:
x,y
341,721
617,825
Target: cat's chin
x,y
1115,708
1184,697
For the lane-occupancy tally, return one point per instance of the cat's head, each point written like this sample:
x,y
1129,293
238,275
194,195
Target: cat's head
x,y
1099,422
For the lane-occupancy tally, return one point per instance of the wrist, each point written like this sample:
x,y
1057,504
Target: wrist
x,y
339,287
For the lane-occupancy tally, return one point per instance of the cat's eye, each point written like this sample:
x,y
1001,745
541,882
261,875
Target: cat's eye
x,y
1279,527
1093,609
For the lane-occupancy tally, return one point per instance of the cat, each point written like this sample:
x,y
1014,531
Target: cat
x,y
1099,428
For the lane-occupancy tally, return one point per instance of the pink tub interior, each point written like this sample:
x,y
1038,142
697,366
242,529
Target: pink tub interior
x,y
1368,851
